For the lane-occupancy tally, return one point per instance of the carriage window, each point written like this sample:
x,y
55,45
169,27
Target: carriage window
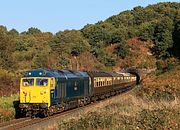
x,y
41,82
101,83
96,84
28,82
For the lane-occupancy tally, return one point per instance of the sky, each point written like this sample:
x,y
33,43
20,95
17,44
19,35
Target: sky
x,y
58,15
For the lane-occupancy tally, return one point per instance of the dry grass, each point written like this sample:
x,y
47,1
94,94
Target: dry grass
x,y
126,112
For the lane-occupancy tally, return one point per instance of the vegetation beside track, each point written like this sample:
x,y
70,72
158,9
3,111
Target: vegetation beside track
x,y
129,112
7,109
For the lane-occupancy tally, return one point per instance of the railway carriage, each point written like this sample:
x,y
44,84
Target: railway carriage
x,y
101,82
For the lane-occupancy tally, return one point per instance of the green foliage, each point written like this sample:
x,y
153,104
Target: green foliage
x,y
170,66
164,66
118,35
33,31
138,13
77,49
147,31
163,37
3,30
13,32
103,57
63,62
24,43
159,67
125,18
98,33
7,47
41,58
109,60
176,37
122,49
71,42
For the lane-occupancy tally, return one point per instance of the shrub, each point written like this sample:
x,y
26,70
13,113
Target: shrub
x,y
93,120
157,119
7,110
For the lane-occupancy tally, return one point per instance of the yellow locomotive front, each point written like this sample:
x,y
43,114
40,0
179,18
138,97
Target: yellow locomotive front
x,y
35,90
35,93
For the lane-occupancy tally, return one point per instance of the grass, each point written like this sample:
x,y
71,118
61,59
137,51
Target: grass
x,y
7,110
127,112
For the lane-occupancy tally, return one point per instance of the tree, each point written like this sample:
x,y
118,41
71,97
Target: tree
x,y
125,18
122,49
118,35
176,38
69,41
7,47
42,55
163,37
33,31
13,32
146,31
98,33
138,14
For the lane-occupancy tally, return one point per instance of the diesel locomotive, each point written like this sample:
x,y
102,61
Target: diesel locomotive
x,y
45,92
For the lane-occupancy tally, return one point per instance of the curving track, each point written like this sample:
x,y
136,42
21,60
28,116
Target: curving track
x,y
27,123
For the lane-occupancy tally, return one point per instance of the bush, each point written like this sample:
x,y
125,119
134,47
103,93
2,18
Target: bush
x,y
93,120
151,119
7,110
157,119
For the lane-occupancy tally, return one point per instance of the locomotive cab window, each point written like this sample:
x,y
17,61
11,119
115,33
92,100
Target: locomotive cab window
x,y
41,82
28,82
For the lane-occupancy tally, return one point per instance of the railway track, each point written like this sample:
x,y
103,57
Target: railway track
x,y
27,122
14,122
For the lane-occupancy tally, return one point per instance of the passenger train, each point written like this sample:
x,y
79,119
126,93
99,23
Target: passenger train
x,y
45,92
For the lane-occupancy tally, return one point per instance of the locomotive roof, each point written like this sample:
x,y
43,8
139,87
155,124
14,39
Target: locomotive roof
x,y
55,73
